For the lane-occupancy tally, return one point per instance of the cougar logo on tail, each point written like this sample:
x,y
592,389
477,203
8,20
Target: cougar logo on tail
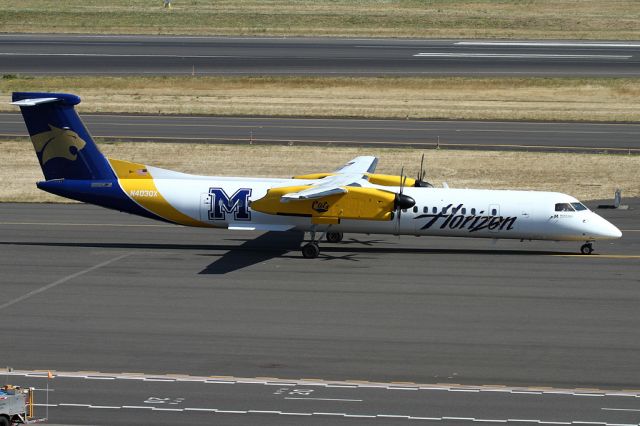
x,y
57,143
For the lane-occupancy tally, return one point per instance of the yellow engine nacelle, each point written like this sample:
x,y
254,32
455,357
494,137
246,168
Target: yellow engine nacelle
x,y
390,180
357,203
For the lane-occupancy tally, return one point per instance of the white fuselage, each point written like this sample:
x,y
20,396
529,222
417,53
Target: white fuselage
x,y
438,211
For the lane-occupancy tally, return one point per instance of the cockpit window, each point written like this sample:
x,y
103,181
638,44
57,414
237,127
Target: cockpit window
x,y
579,206
564,207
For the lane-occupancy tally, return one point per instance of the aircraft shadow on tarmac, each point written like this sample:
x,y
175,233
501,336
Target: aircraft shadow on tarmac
x,y
279,244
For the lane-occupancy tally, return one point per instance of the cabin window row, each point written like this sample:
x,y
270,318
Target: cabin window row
x,y
462,211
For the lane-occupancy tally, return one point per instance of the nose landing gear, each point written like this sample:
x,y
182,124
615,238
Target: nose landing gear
x,y
587,248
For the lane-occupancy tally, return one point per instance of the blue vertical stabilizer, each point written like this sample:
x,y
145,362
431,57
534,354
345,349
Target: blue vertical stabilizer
x,y
64,147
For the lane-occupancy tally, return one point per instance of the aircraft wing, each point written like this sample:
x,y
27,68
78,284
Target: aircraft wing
x,y
364,164
329,185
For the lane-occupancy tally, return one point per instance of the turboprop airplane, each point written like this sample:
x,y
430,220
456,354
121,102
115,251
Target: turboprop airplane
x,y
351,199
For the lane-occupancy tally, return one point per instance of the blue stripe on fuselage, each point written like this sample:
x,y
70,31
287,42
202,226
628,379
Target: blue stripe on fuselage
x,y
104,193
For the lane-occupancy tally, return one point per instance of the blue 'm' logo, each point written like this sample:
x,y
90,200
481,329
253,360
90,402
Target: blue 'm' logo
x,y
221,204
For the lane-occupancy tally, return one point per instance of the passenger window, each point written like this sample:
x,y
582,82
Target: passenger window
x,y
494,212
464,211
579,206
415,209
473,211
434,210
564,207
425,209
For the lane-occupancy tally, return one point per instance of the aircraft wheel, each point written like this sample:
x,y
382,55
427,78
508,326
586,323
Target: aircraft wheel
x,y
334,237
586,248
310,251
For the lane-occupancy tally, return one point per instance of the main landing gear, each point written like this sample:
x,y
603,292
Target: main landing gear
x,y
311,250
587,248
334,237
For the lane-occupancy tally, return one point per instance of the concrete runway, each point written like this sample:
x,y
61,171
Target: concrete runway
x,y
114,55
424,134
90,289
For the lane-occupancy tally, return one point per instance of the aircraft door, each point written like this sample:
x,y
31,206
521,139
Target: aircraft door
x,y
494,211
205,207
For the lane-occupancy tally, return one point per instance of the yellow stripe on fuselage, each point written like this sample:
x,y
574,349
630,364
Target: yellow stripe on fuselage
x,y
136,181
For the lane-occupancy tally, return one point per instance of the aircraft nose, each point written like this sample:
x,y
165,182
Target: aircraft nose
x,y
603,229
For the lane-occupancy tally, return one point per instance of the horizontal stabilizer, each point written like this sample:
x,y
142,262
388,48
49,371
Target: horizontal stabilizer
x,y
34,102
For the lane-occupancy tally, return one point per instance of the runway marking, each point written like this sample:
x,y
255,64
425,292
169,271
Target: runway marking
x,y
332,414
119,55
62,281
529,390
543,44
324,399
621,409
119,225
518,56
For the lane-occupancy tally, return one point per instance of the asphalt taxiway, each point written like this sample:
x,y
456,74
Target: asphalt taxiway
x,y
451,330
619,138
35,54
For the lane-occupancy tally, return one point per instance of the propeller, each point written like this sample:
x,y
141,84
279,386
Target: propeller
x,y
420,182
402,201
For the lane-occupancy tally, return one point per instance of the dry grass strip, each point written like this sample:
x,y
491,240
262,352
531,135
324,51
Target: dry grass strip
x,y
596,99
586,176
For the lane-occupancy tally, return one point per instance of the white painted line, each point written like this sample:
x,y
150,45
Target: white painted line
x,y
284,413
360,416
61,281
323,399
400,388
525,392
543,44
586,394
621,409
74,405
113,407
522,421
137,406
265,412
166,409
517,56
99,378
392,416
490,421
156,379
209,410
231,411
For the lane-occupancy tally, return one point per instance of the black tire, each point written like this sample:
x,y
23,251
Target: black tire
x,y
310,251
586,249
4,421
334,237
